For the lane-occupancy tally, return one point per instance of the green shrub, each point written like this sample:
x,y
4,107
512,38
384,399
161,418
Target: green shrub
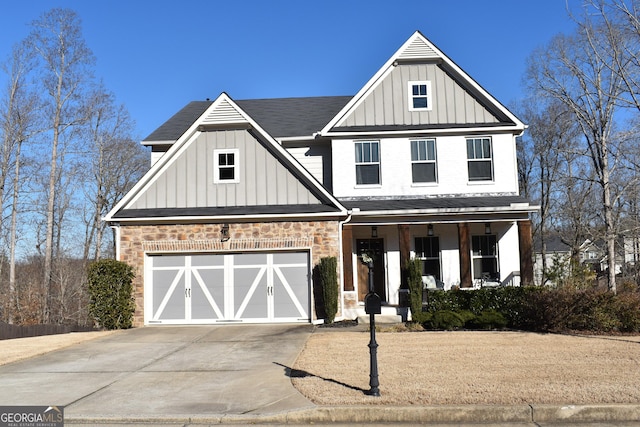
x,y
487,320
111,293
414,280
328,276
445,320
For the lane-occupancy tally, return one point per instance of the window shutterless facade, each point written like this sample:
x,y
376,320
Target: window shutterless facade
x,y
423,161
420,95
367,162
226,166
480,159
485,257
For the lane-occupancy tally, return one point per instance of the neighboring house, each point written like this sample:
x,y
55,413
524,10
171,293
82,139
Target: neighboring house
x,y
557,257
245,197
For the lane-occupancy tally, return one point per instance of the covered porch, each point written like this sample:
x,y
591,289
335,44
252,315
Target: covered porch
x,y
468,253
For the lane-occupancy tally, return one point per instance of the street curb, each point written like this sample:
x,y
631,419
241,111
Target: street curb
x,y
401,414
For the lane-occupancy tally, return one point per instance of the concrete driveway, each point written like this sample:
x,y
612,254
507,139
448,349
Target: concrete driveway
x,y
165,373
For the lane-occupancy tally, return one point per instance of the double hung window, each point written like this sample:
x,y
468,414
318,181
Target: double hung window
x,y
226,166
485,257
367,163
479,159
420,95
428,251
423,160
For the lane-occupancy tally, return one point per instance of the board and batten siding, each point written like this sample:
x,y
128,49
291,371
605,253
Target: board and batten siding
x,y
187,181
388,103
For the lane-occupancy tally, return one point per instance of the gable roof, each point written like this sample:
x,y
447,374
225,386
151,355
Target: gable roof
x,y
172,129
294,117
418,49
221,114
280,117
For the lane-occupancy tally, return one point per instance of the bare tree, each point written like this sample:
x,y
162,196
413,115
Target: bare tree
x,y
114,164
18,122
66,68
571,71
547,154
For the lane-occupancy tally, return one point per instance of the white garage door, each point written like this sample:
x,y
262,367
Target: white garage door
x,y
217,288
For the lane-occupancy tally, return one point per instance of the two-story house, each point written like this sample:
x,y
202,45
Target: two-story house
x,y
244,197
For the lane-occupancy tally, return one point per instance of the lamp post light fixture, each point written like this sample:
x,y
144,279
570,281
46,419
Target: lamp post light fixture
x,y
224,233
372,306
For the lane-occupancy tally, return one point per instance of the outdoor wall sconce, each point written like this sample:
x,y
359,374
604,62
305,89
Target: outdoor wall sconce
x,y
374,231
224,232
487,228
430,230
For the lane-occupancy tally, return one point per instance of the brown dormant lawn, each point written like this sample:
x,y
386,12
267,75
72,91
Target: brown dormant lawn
x,y
422,368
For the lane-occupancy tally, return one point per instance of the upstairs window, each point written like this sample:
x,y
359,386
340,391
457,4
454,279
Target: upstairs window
x,y
420,96
423,160
479,159
367,163
226,166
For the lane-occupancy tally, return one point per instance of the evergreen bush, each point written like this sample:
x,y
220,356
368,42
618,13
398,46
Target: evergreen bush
x,y
414,281
446,320
328,276
111,293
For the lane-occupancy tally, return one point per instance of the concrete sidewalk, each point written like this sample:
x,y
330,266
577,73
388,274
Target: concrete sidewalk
x,y
231,374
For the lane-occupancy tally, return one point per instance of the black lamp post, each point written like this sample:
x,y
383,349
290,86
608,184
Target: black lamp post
x,y
372,306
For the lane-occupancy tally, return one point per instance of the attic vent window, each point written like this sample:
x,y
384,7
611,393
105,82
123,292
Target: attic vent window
x,y
420,95
226,166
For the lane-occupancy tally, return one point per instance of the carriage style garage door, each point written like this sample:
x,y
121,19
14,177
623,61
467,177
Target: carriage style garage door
x,y
222,288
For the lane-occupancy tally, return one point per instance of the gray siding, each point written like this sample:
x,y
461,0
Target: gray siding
x,y
388,104
187,181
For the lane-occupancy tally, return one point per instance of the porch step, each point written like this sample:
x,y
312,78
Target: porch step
x,y
383,319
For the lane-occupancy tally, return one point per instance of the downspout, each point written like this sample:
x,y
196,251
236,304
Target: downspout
x,y
116,239
341,256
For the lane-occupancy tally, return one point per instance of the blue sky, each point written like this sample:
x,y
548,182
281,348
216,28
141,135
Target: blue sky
x,y
156,56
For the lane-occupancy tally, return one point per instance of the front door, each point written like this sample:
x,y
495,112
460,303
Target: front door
x,y
375,249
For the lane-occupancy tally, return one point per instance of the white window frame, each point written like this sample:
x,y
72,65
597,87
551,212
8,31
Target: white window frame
x,y
422,256
477,275
411,96
475,158
369,162
235,166
426,160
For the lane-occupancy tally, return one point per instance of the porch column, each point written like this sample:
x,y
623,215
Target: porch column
x,y
405,252
526,252
465,255
347,258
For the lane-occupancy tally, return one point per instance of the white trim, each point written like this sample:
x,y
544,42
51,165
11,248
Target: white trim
x,y
425,161
480,159
191,134
411,96
235,166
450,131
389,65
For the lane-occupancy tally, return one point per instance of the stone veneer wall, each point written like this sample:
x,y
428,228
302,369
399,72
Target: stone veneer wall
x,y
322,237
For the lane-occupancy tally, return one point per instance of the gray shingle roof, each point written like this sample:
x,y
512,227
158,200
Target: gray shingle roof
x,y
178,124
286,117
280,117
222,211
431,203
